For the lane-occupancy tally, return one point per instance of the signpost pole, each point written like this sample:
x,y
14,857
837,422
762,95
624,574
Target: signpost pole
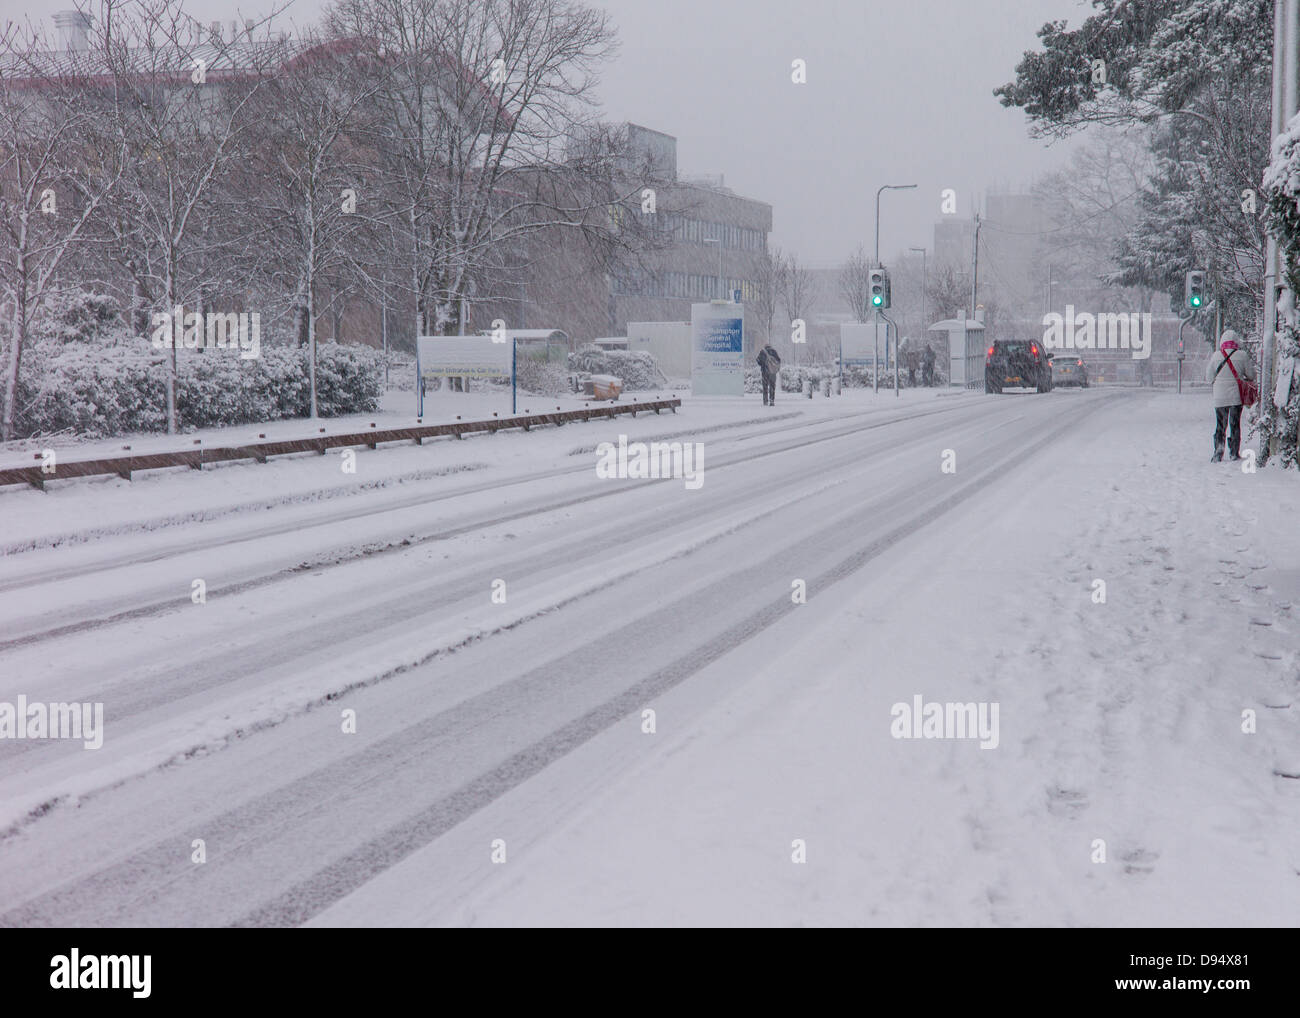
x,y
875,356
889,322
1181,325
514,396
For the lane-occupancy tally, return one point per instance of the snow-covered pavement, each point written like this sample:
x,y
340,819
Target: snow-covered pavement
x,y
499,619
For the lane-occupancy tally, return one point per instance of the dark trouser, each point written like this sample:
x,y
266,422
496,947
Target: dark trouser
x,y
769,389
1228,418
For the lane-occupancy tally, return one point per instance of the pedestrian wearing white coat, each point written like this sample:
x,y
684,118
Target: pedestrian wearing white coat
x,y
1226,393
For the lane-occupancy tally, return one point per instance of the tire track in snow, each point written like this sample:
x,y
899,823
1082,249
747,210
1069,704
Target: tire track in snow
x,y
330,560
133,881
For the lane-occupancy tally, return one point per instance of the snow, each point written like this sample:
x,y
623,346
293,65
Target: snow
x,y
154,499
1120,721
522,721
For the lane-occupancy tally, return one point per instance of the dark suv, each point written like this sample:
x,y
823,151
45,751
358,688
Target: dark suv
x,y
1012,362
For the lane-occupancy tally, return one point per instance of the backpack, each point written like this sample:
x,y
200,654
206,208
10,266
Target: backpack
x,y
1246,388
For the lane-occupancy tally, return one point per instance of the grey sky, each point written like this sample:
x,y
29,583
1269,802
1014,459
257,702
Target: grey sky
x,y
716,73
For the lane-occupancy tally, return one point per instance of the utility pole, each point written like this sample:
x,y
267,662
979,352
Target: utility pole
x,y
1286,32
925,297
975,265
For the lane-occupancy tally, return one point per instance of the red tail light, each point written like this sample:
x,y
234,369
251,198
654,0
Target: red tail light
x,y
990,351
1034,350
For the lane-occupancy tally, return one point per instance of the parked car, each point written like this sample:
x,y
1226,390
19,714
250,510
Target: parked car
x,y
1013,362
1069,371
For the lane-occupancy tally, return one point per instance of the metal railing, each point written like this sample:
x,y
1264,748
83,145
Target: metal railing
x,y
196,458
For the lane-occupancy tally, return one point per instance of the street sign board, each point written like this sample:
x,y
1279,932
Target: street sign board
x,y
717,349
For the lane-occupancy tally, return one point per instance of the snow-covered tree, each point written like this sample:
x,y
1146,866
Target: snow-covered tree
x,y
181,98
313,174
52,182
1282,187
1199,74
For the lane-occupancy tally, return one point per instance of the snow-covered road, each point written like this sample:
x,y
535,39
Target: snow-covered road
x,y
497,618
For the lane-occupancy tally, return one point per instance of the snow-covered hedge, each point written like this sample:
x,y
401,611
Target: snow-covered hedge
x,y
100,391
854,377
637,369
78,315
538,375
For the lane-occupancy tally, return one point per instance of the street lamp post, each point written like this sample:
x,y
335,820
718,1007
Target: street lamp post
x,y
879,191
886,187
718,241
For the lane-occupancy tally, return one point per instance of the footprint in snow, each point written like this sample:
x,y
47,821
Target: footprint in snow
x,y
1139,861
1066,802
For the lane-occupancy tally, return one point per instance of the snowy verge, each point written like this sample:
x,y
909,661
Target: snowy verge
x,y
1154,730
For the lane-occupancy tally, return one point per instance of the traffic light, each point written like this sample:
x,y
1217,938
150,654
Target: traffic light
x,y
879,288
1194,291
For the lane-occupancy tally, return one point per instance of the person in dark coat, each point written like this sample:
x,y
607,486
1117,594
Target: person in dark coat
x,y
1226,393
927,365
769,363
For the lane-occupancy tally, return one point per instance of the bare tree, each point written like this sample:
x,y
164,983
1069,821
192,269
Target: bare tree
x,y
1091,206
312,162
799,292
179,101
949,290
855,284
52,182
769,281
481,97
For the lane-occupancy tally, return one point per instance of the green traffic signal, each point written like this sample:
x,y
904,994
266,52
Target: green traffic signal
x,y
1196,300
876,299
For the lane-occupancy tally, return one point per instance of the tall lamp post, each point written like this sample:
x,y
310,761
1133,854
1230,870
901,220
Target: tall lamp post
x,y
886,187
718,241
882,188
